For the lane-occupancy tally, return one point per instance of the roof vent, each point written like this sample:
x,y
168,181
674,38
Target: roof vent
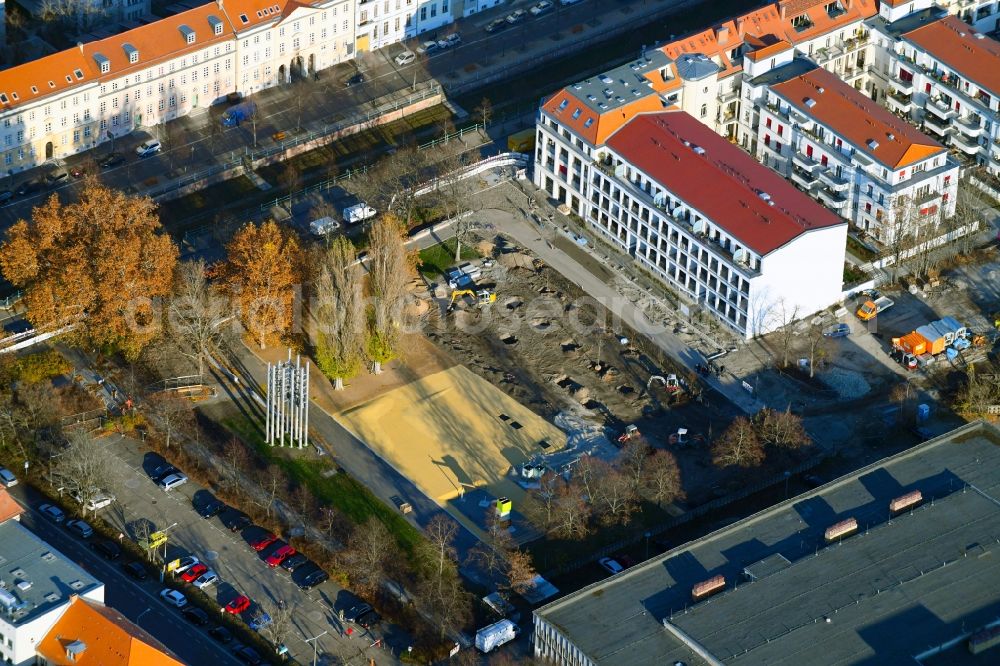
x,y
764,195
75,649
24,585
820,90
47,556
980,35
892,137
809,102
872,143
698,150
77,585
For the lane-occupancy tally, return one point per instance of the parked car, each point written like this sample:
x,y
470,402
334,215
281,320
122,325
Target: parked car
x,y
279,554
405,58
454,39
111,161
568,2
496,24
311,576
293,562
81,528
195,616
369,619
94,499
220,634
192,573
172,481
235,520
109,549
186,563
248,655
237,605
56,178
260,621
428,48
837,331
263,541
516,16
5,196
206,580
147,148
173,597
611,565
162,471
53,513
543,7
355,80
7,477
28,188
212,507
135,570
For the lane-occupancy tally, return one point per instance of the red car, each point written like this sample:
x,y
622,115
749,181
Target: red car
x,y
260,543
192,573
237,605
279,555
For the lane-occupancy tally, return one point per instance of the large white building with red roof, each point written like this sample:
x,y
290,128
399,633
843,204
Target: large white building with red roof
x,y
719,228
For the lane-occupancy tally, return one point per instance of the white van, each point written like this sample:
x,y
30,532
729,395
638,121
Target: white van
x,y
495,635
358,213
323,226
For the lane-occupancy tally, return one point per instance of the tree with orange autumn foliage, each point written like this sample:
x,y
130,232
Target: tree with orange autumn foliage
x,y
101,262
263,267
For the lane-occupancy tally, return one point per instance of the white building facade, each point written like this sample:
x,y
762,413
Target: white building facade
x,y
384,22
740,257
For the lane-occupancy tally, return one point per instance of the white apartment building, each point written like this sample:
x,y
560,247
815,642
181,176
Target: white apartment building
x,y
937,70
72,100
699,213
843,149
384,22
36,586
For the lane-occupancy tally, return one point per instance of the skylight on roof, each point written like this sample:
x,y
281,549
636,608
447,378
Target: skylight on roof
x,y
243,17
576,114
14,95
69,79
3,98
563,104
589,122
78,74
34,89
809,102
52,84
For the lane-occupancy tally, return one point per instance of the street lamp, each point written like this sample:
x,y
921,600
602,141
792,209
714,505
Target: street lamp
x,y
313,641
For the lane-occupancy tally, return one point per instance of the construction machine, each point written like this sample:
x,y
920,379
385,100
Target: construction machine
x,y
631,432
670,383
481,298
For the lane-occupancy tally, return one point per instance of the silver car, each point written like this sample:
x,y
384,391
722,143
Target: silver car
x,y
7,477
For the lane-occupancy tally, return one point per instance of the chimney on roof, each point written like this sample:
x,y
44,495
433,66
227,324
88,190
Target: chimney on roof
x,y
79,45
782,10
219,3
722,34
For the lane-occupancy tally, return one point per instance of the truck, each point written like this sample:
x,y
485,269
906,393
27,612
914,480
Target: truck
x,y
237,114
521,142
323,226
495,635
358,213
871,308
463,276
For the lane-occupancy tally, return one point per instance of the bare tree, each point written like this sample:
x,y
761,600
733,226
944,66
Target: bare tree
x,y
616,498
390,186
787,316
340,312
441,590
275,620
661,478
290,178
303,501
818,347
197,313
82,468
171,415
273,481
979,393
389,270
781,428
234,453
571,518
540,503
484,112
369,553
586,472
738,445
632,459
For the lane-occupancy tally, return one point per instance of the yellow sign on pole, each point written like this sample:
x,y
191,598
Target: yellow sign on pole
x,y
154,540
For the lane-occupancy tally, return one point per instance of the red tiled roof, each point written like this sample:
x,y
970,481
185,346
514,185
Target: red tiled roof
x,y
592,126
967,52
724,183
856,118
9,508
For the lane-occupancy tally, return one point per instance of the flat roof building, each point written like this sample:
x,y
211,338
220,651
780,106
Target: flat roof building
x,y
907,586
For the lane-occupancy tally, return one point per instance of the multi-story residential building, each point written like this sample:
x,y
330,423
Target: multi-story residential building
x,y
72,100
699,213
385,22
37,584
983,15
937,70
859,160
89,632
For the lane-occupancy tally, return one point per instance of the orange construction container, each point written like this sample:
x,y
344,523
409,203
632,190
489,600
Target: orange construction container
x,y
935,341
913,343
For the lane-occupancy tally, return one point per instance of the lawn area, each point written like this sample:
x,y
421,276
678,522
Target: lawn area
x,y
435,259
853,274
338,490
860,251
234,189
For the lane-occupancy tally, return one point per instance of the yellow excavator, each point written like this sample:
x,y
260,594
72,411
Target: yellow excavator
x,y
480,298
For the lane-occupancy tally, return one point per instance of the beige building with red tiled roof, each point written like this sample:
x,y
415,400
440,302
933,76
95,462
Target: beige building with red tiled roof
x,y
91,634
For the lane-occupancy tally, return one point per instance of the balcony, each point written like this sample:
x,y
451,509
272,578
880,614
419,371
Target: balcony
x,y
970,127
901,86
833,181
804,162
804,179
925,199
899,103
938,126
940,109
965,144
832,199
728,96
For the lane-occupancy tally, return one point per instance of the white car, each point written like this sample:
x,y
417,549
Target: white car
x,y
542,7
174,598
516,16
611,565
96,499
405,58
186,563
207,579
454,39
147,148
7,477
428,48
171,481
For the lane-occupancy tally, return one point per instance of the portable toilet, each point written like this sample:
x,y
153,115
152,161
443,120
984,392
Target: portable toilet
x,y
923,412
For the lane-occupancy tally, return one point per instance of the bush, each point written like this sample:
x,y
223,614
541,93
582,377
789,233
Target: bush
x,y
39,367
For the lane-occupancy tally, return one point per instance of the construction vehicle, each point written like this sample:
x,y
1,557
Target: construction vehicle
x,y
522,142
670,383
871,308
631,432
481,298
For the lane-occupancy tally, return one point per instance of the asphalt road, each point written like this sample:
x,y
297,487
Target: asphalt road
x,y
138,601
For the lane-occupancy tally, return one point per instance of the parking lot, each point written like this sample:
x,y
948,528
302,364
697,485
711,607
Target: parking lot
x,y
241,570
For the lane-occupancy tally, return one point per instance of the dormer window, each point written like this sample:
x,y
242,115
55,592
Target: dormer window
x,y
34,89
103,63
188,34
802,22
52,84
3,98
78,74
216,24
131,52
243,17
